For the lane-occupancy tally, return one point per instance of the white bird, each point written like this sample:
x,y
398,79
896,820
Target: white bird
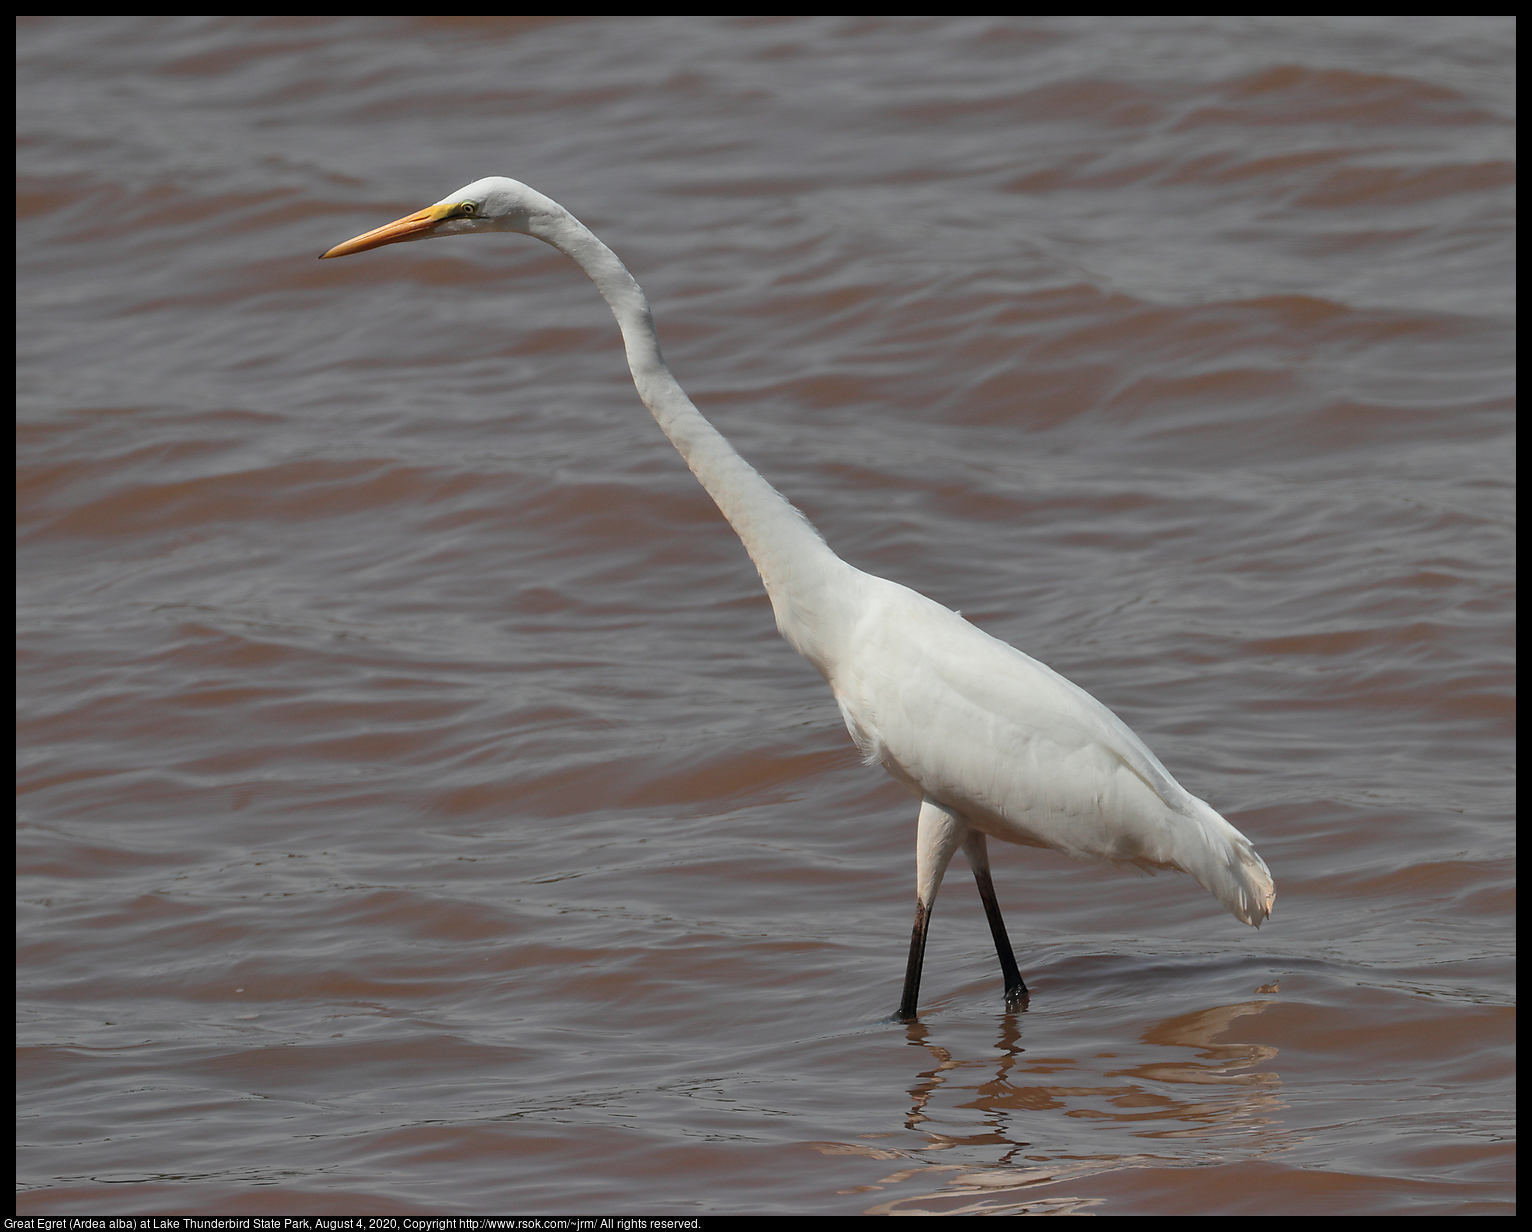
x,y
994,743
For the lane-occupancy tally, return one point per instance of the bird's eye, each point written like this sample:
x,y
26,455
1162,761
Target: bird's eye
x,y
468,209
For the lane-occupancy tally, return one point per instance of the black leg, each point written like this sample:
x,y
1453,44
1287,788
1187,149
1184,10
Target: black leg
x,y
1015,988
938,833
917,960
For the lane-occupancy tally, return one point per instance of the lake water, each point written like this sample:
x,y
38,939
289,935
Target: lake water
x,y
419,812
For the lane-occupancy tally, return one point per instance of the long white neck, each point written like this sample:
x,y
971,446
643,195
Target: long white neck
x,y
792,559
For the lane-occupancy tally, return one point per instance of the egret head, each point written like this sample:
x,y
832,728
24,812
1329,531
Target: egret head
x,y
491,204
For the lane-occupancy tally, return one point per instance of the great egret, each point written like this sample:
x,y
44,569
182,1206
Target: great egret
x,y
994,743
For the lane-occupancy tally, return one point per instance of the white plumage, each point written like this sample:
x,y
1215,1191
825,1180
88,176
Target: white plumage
x,y
993,742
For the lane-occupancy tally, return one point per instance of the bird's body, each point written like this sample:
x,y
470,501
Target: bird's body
x,y
993,742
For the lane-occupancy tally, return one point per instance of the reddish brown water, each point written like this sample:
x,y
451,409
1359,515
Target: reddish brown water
x,y
419,812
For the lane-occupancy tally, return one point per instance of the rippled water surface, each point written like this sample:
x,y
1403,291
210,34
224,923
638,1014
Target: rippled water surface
x,y
419,812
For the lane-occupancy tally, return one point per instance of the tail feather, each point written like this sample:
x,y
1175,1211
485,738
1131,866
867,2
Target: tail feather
x,y
1228,866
